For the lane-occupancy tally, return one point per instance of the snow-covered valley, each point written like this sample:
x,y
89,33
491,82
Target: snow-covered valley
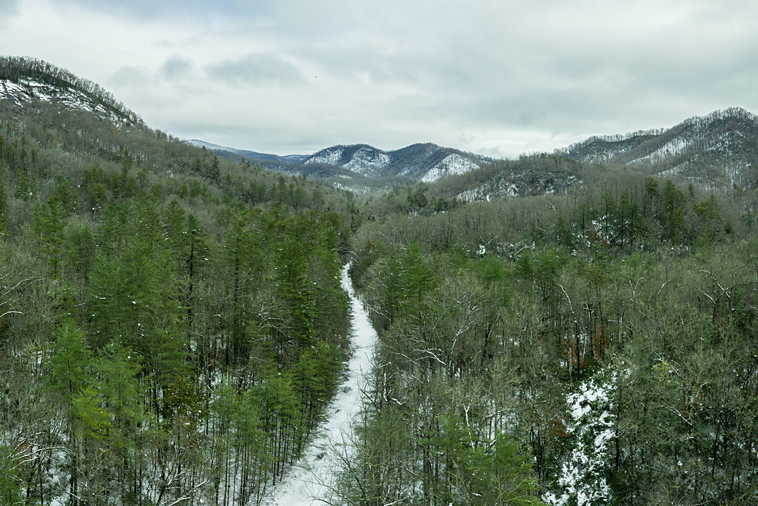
x,y
309,479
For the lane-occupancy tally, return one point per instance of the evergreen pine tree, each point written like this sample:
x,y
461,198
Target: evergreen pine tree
x,y
3,209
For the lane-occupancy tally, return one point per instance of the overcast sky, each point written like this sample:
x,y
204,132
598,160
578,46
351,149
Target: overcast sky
x,y
499,78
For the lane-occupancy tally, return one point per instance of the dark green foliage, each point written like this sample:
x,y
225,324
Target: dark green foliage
x,y
141,303
416,280
3,208
49,225
173,325
10,483
539,297
81,247
70,362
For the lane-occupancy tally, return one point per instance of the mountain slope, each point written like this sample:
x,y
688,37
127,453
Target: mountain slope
x,y
718,149
355,163
24,80
527,176
421,162
144,264
246,154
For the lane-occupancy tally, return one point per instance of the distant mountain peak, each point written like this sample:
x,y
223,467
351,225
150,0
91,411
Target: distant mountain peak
x,y
423,162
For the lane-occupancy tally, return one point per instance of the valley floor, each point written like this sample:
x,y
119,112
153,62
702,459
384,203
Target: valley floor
x,y
311,477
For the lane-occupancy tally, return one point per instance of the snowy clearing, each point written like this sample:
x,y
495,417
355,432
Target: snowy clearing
x,y
310,477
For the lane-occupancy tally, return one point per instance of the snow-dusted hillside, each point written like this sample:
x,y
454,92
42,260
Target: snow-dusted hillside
x,y
526,182
417,162
452,164
368,162
332,156
23,91
422,162
720,148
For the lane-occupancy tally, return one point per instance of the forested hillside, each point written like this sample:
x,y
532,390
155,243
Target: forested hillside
x,y
551,331
718,150
595,346
171,324
363,168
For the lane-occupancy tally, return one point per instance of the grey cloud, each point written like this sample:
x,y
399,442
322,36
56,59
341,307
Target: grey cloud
x,y
256,69
8,8
127,77
138,9
173,9
423,68
176,66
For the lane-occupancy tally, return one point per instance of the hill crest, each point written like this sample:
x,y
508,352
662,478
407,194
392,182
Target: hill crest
x,y
25,80
719,148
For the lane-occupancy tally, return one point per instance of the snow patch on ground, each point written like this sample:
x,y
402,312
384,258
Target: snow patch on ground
x,y
451,164
352,188
582,479
667,151
330,156
26,90
367,161
487,192
11,91
310,477
478,194
607,153
407,170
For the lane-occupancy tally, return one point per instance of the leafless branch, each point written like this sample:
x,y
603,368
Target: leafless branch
x,y
186,496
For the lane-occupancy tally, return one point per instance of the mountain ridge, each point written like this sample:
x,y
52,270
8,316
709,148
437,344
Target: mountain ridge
x,y
23,80
251,155
424,162
718,148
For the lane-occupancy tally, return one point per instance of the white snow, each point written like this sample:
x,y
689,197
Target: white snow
x,y
354,189
330,156
407,170
367,161
11,91
451,164
26,90
489,191
667,151
309,478
581,480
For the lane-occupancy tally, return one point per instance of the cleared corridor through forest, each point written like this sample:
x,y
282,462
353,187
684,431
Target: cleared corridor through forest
x,y
310,477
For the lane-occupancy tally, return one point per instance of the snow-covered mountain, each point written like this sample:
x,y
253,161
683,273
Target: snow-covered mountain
x,y
720,148
421,162
24,81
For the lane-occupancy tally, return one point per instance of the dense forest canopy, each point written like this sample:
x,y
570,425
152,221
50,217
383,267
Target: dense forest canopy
x,y
609,334
172,324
